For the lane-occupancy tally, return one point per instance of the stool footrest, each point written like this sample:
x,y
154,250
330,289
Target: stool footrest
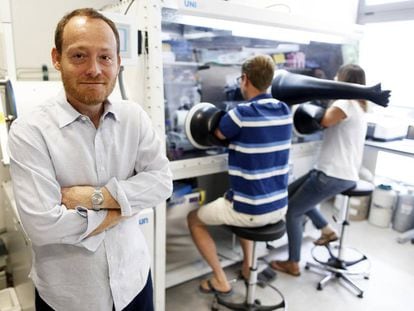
x,y
335,264
244,306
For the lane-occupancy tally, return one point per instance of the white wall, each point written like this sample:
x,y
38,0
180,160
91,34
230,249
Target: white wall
x,y
387,58
336,10
34,23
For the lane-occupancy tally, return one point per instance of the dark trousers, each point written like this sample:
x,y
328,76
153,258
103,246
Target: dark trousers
x,y
142,302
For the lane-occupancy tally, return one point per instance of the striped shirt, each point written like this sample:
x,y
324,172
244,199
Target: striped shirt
x,y
259,132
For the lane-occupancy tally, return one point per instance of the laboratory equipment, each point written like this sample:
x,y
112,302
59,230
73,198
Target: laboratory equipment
x,y
382,205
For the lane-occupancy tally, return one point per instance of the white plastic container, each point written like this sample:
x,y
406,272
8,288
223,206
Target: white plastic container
x,y
8,300
358,207
404,213
382,204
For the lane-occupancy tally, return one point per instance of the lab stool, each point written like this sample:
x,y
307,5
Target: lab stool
x,y
337,266
259,234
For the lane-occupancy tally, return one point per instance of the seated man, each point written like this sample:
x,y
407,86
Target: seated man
x,y
259,136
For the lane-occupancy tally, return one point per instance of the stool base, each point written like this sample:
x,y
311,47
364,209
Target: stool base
x,y
336,268
245,306
262,234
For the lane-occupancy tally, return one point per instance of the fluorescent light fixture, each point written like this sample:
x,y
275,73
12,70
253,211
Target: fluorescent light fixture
x,y
241,29
270,33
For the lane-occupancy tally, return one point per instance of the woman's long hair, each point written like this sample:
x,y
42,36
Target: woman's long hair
x,y
354,74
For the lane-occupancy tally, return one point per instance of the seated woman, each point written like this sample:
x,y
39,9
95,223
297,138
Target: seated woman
x,y
336,170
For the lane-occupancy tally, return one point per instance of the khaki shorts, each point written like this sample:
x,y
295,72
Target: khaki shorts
x,y
221,212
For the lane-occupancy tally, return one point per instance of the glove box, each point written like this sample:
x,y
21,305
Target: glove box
x,y
387,131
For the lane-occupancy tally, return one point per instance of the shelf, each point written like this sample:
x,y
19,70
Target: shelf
x,y
218,163
206,165
180,83
304,149
199,166
184,64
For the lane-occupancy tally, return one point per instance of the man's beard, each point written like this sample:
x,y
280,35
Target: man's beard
x,y
85,97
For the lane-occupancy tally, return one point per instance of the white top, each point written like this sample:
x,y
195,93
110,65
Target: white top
x,y
55,146
343,143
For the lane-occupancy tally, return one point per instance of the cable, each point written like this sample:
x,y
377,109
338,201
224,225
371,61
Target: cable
x,y
121,83
45,73
129,6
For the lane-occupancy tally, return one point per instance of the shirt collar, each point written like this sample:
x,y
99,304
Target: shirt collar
x,y
110,110
66,114
261,96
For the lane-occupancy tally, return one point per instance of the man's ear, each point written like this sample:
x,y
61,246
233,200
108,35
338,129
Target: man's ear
x,y
119,62
56,59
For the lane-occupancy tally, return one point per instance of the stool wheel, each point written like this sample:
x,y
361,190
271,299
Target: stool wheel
x,y
319,287
307,267
361,295
257,302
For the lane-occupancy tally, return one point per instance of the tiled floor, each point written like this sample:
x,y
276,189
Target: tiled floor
x,y
390,287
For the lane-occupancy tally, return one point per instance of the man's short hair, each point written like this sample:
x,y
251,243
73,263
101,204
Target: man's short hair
x,y
87,12
260,70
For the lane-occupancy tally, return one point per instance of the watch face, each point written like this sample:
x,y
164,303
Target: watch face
x,y
97,198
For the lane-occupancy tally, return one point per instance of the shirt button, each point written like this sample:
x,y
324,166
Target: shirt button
x,y
102,168
83,118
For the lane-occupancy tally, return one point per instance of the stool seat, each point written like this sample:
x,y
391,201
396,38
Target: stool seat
x,y
266,233
362,188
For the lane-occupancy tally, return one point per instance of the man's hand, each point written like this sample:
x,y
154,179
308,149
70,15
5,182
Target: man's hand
x,y
113,217
81,196
77,196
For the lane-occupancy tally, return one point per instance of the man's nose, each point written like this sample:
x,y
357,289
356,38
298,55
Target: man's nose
x,y
94,68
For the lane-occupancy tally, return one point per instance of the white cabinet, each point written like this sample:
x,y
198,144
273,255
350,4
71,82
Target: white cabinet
x,y
19,249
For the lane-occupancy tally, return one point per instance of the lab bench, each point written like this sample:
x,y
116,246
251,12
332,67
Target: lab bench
x,y
403,147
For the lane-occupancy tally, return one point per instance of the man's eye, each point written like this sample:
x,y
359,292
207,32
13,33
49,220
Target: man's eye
x,y
78,56
106,58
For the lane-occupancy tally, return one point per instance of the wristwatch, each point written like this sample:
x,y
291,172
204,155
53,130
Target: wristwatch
x,y
97,199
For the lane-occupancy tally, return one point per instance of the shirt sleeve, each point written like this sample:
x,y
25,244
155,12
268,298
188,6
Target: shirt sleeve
x,y
345,106
152,182
38,195
230,124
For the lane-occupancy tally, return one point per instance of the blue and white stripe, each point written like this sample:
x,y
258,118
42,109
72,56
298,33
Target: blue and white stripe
x,y
260,199
260,148
258,174
259,121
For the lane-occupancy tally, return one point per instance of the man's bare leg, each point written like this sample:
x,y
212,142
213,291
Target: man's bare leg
x,y
207,248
